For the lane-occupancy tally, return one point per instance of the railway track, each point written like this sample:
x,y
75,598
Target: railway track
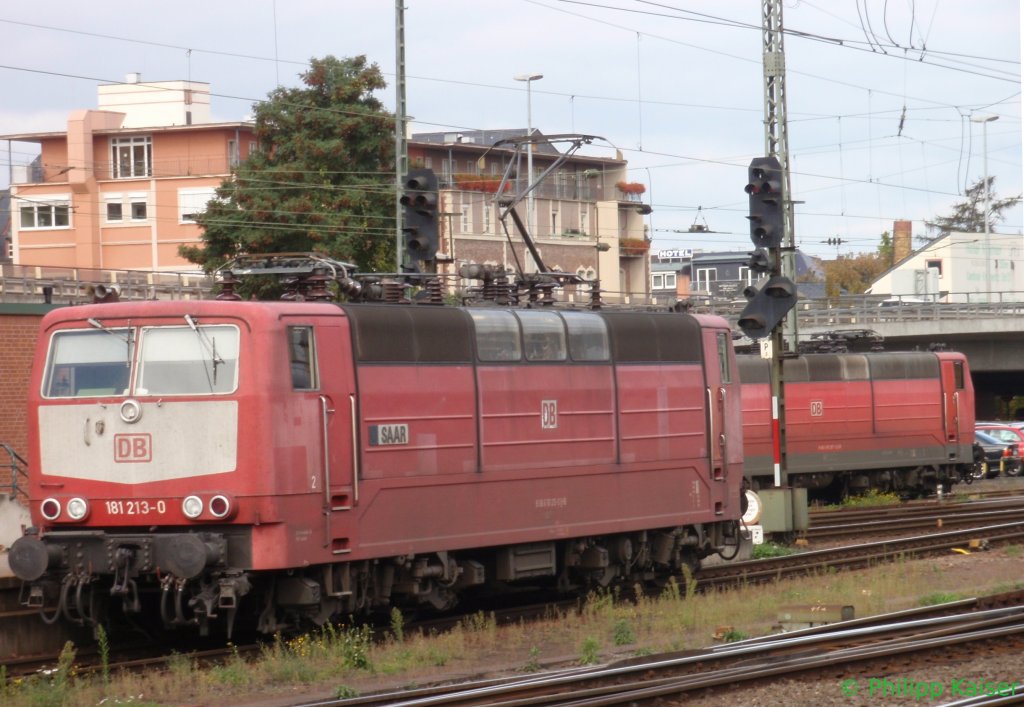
x,y
853,649
889,520
859,555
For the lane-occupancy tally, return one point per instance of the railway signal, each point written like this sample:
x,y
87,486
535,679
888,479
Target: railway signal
x,y
764,187
768,306
420,233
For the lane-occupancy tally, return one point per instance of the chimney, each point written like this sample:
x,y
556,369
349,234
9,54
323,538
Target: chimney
x,y
901,240
134,77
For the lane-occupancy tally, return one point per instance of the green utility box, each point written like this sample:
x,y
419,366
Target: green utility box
x,y
785,510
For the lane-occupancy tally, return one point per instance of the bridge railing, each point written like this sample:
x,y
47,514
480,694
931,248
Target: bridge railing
x,y
37,284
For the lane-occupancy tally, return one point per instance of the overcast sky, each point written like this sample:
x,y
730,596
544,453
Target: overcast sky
x,y
879,92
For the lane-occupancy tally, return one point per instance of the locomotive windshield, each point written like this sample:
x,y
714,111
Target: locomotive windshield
x,y
188,361
89,363
172,360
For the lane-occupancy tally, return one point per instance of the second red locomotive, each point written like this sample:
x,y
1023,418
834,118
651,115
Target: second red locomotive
x,y
900,422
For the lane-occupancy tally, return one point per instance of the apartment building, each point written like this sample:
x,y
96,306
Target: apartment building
x,y
118,189
588,218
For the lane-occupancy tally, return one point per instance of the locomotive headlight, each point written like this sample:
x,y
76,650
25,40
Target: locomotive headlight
x,y
192,506
50,508
220,506
78,508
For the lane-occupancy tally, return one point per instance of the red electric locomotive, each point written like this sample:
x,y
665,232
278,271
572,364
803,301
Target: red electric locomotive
x,y
900,422
290,461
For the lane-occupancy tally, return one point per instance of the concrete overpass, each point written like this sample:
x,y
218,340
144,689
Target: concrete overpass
x,y
990,334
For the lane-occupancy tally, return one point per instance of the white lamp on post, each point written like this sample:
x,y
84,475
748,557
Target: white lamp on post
x,y
985,120
531,220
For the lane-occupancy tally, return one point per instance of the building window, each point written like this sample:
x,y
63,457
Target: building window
x,y
464,221
556,224
670,281
657,281
131,157
115,211
52,213
746,275
935,265
193,201
233,156
584,219
488,225
705,276
135,205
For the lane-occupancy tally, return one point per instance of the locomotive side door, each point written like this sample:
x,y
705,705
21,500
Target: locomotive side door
x,y
718,388
952,375
322,374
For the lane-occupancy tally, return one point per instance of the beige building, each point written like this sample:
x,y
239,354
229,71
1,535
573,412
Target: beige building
x,y
588,219
118,190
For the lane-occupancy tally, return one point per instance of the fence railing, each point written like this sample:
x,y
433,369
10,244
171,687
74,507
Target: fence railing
x,y
18,473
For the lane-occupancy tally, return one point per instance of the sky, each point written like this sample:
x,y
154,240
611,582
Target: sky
x,y
879,93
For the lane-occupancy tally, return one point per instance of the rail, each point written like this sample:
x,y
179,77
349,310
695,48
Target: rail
x,y
19,473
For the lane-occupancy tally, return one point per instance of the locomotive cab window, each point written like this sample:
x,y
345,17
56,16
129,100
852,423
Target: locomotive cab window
x,y
89,363
188,361
958,374
302,354
543,336
724,343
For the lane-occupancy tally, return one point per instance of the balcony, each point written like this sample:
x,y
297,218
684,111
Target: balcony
x,y
634,247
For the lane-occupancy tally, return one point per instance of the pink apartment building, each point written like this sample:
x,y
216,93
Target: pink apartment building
x,y
118,190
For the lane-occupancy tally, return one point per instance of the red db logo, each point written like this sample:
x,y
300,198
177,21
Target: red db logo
x,y
133,448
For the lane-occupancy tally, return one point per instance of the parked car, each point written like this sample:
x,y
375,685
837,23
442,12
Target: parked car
x,y
993,456
1004,432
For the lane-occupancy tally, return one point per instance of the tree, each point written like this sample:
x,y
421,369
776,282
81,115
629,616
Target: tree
x,y
855,273
969,216
321,180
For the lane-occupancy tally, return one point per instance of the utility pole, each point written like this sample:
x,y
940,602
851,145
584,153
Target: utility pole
x,y
776,145
401,148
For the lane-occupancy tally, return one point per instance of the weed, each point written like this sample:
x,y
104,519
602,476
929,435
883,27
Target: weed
x,y
939,598
622,633
397,625
734,635
589,651
344,692
533,664
104,645
872,498
767,550
1012,550
354,643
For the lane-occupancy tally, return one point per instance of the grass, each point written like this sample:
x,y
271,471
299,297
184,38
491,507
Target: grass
x,y
871,499
344,661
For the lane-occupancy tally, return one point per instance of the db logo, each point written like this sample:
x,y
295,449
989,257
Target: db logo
x,y
133,448
549,414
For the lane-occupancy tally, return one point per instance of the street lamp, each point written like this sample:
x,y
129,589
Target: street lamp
x,y
985,120
531,221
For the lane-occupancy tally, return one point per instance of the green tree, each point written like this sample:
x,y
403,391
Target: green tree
x,y
321,180
886,251
855,273
968,216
